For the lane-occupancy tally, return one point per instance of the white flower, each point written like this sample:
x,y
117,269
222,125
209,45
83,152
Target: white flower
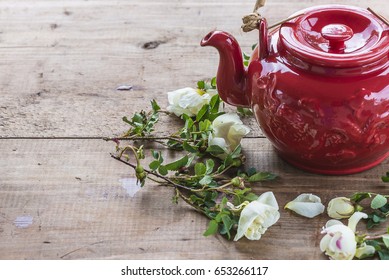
x,y
188,101
228,131
339,240
307,205
257,217
340,207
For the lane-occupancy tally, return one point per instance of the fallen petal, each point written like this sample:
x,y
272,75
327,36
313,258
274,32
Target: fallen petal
x,y
354,219
306,209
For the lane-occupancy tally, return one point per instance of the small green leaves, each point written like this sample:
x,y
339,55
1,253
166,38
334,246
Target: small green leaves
x,y
244,112
378,201
358,197
385,178
162,170
200,168
155,106
246,59
201,175
142,123
378,204
262,176
204,85
215,150
154,165
385,239
212,229
176,165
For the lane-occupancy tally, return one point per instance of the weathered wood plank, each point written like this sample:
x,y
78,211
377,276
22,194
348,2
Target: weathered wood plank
x,y
61,61
65,199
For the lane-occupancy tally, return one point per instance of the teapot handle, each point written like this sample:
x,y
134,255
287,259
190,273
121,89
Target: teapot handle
x,y
263,43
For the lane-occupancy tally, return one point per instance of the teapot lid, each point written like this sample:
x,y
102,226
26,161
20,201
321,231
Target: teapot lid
x,y
336,36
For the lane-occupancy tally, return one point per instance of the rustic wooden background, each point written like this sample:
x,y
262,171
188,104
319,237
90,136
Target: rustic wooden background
x,y
61,195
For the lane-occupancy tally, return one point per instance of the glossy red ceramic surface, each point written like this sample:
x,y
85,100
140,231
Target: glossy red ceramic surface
x,y
318,86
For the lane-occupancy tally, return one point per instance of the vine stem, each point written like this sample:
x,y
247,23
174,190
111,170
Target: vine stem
x,y
153,173
374,237
187,200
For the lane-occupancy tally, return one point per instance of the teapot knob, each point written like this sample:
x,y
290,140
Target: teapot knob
x,y
337,34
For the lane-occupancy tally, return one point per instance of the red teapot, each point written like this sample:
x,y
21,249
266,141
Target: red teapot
x,y
318,86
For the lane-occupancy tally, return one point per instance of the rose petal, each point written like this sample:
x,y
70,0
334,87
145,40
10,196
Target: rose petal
x,y
268,198
306,209
332,223
307,205
307,197
354,219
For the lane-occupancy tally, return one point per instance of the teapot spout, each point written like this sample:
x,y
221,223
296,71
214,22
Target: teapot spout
x,y
231,74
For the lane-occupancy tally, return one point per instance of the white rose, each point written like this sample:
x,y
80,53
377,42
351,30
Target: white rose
x,y
228,131
339,240
257,217
340,207
188,101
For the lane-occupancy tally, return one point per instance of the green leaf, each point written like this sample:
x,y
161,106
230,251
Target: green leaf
x,y
205,125
385,238
385,179
384,209
209,164
202,114
213,83
378,201
156,154
162,170
188,122
200,169
201,84
254,46
375,244
214,103
154,165
187,147
251,171
213,226
215,149
227,225
246,57
383,255
377,219
155,105
237,152
359,196
251,197
175,165
206,180
244,111
125,119
262,176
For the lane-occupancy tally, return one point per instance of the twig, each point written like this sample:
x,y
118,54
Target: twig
x,y
153,173
385,20
187,200
283,21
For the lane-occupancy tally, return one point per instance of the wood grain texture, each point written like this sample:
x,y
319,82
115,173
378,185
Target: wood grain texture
x,y
74,194
61,61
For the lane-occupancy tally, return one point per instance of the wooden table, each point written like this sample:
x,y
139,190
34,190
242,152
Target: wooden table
x,y
62,196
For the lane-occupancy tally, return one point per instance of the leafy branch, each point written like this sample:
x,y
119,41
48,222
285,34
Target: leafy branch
x,y
205,176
